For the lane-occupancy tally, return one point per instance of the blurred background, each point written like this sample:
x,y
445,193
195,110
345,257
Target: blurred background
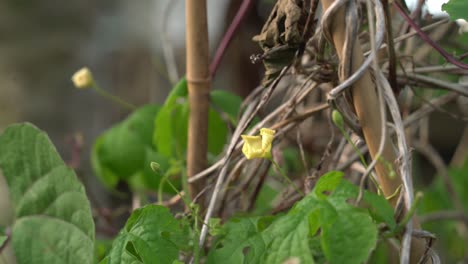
x,y
124,44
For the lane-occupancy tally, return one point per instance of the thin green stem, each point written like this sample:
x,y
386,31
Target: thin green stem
x,y
286,177
196,228
361,157
194,210
408,216
356,149
113,98
160,187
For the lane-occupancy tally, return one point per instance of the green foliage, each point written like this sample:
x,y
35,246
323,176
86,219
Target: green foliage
x,y
151,233
123,150
51,205
154,133
239,235
456,9
227,102
102,248
53,221
350,237
263,204
436,198
171,123
348,234
2,240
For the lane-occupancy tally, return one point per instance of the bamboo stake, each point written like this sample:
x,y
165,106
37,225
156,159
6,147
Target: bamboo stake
x,y
367,109
198,79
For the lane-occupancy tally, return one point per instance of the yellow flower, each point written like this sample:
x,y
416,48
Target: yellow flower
x,y
258,146
83,79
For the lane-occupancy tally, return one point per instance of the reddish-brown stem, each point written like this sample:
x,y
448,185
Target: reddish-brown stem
x,y
428,40
228,36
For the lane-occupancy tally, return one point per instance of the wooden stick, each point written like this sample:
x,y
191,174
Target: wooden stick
x,y
198,79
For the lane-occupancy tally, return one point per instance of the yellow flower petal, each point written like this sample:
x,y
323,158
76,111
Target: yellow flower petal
x,y
83,78
267,131
252,146
258,146
267,138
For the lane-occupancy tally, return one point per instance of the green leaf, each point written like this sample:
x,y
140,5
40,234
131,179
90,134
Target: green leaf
x,y
327,183
141,122
2,240
163,137
171,133
180,128
226,102
217,133
105,261
348,234
380,209
350,238
27,155
151,233
179,90
103,173
265,199
456,9
288,238
229,248
460,182
53,222
102,248
120,152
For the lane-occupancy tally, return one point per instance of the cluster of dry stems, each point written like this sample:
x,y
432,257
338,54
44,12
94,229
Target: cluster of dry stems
x,y
370,70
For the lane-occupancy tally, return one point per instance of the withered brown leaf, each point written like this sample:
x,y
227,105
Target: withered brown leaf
x,y
281,36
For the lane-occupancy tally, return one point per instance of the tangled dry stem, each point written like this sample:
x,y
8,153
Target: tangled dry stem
x,y
302,81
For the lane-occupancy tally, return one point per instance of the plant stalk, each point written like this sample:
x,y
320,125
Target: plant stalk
x,y
198,80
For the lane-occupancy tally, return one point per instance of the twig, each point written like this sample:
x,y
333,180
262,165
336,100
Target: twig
x,y
442,110
404,168
301,149
414,33
428,40
175,199
390,48
433,82
410,121
444,215
459,156
243,123
435,68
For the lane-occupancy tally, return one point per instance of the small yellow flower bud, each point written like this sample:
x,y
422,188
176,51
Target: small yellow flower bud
x,y
83,79
258,146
